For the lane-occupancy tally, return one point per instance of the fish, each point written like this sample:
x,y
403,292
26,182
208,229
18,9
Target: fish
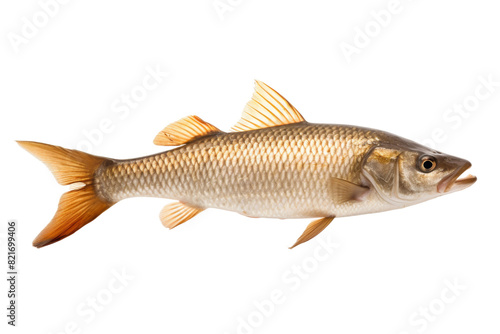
x,y
273,164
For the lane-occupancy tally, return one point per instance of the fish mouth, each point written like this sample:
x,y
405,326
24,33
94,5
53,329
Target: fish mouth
x,y
452,183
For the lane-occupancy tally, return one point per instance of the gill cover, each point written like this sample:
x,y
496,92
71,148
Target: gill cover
x,y
381,169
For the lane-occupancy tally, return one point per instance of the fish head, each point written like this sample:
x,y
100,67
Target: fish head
x,y
404,172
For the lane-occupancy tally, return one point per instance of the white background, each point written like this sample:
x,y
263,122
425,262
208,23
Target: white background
x,y
207,275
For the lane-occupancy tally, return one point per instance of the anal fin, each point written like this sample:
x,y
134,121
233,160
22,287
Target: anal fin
x,y
176,213
313,229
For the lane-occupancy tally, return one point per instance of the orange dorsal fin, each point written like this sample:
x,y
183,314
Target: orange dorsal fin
x,y
184,131
267,108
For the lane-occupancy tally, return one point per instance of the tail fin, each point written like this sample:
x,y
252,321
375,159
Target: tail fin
x,y
77,207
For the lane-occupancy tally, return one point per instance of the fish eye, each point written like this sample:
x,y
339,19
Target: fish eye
x,y
427,164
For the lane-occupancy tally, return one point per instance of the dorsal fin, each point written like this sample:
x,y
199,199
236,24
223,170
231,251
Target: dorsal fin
x,y
267,108
183,131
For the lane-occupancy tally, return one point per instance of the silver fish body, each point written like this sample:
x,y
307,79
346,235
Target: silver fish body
x,y
274,164
278,172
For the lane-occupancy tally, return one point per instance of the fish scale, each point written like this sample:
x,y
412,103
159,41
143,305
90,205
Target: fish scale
x,y
279,172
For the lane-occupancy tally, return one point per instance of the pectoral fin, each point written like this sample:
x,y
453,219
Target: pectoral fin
x,y
313,229
343,191
176,213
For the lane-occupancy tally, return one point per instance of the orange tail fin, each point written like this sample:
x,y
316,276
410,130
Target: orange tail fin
x,y
77,207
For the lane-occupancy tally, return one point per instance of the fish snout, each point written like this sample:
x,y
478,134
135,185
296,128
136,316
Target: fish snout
x,y
452,183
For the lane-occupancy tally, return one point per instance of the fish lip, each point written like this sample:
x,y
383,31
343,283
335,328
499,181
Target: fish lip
x,y
451,181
